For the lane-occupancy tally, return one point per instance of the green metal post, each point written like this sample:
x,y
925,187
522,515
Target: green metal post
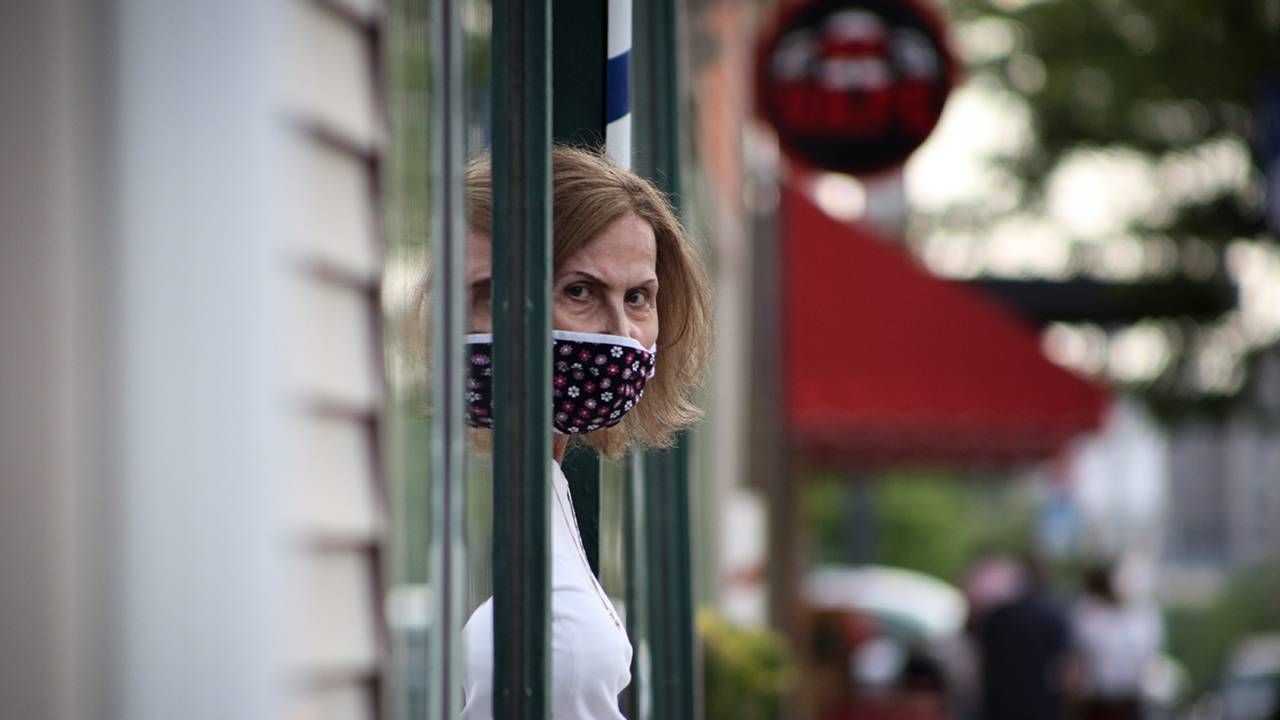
x,y
522,356
666,482
670,574
582,470
577,118
578,67
656,77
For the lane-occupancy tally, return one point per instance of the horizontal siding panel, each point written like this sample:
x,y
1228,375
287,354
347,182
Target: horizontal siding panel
x,y
334,221
353,701
336,499
336,634
329,74
333,348
361,10
332,345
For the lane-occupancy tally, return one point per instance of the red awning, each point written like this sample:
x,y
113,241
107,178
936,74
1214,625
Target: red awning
x,y
884,363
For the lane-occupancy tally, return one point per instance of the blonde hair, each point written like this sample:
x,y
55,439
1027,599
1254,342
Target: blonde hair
x,y
590,193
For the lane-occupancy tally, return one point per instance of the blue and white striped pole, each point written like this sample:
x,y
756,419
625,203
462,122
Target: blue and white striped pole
x,y
617,116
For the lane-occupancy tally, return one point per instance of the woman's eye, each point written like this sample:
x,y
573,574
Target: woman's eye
x,y
577,292
638,298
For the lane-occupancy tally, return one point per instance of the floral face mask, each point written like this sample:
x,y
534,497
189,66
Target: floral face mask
x,y
595,379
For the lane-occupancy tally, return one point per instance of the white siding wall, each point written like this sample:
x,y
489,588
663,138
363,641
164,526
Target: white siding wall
x,y
333,247
191,500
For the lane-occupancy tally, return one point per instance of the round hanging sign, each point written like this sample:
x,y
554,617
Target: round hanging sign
x,y
853,86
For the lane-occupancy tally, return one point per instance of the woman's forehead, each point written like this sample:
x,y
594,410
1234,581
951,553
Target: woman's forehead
x,y
626,246
479,257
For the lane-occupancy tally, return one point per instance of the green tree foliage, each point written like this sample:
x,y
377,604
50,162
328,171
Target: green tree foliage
x,y
934,523
823,506
1202,638
1168,82
1151,76
924,524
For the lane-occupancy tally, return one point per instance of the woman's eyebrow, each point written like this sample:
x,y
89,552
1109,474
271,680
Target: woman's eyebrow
x,y
598,281
588,276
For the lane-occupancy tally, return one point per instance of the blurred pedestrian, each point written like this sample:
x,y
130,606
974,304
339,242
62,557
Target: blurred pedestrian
x,y
992,580
1025,649
1117,642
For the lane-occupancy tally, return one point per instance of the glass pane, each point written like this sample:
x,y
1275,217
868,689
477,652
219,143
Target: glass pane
x,y
407,178
479,528
628,476
613,490
410,303
477,27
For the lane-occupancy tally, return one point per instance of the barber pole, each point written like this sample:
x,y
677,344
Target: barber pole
x,y
617,116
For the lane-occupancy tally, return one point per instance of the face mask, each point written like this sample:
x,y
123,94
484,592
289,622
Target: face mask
x,y
595,379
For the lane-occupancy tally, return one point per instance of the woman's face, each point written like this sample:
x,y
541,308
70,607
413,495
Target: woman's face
x,y
609,286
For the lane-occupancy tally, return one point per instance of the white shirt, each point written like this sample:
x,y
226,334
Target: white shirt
x,y
590,654
1117,644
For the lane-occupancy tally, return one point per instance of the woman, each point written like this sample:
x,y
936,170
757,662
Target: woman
x,y
1118,642
631,313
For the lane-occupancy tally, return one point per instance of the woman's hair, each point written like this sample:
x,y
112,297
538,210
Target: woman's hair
x,y
1099,581
590,193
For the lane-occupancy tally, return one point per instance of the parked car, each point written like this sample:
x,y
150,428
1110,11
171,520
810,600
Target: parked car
x,y
1251,689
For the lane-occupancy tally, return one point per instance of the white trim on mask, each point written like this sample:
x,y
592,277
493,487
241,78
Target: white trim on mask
x,y
570,336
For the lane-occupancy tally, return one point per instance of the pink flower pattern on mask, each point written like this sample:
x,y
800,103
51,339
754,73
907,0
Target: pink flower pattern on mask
x,y
593,384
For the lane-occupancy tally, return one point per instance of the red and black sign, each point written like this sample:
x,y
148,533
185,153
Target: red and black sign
x,y
853,85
